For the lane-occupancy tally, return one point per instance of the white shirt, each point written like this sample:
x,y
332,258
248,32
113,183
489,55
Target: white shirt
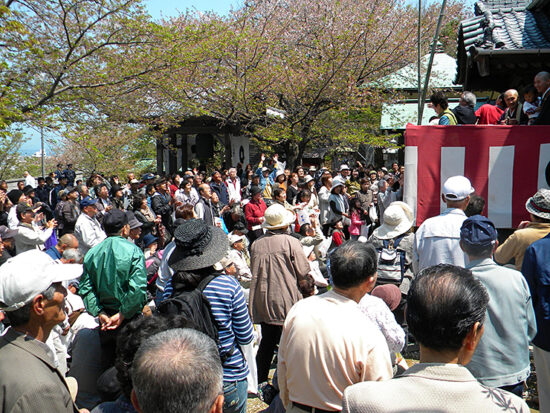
x,y
437,241
30,238
88,232
243,270
328,344
379,313
13,221
29,180
234,189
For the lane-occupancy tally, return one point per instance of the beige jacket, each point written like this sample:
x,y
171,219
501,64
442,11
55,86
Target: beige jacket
x,y
28,378
515,245
430,387
277,262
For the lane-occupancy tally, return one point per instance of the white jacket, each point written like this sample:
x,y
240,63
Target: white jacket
x,y
30,238
88,232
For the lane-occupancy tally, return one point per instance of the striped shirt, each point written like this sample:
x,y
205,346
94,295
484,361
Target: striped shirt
x,y
229,308
230,311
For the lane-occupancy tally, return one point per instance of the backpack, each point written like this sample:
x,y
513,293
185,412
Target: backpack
x,y
391,262
194,306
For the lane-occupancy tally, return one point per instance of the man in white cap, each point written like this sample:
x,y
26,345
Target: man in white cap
x,y
236,248
33,297
438,238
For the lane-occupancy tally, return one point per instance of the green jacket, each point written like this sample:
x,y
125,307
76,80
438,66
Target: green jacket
x,y
114,278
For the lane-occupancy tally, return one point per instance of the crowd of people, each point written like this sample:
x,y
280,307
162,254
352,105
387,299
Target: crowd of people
x,y
507,110
182,292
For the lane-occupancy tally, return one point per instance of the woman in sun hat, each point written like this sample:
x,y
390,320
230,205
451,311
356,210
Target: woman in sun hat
x,y
278,264
198,248
395,233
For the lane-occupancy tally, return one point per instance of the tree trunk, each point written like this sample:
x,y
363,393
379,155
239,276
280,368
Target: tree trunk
x,y
293,156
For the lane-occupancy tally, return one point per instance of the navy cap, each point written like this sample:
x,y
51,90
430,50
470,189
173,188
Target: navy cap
x,y
87,202
148,176
478,231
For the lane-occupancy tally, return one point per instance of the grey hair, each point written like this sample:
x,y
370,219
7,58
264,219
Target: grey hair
x,y
23,315
73,254
381,183
237,210
177,370
469,98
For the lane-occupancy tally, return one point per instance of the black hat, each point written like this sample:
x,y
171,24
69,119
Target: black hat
x,y
14,196
255,190
28,190
239,226
198,245
114,221
132,220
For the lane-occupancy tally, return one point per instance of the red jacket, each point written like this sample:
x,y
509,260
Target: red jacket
x,y
253,211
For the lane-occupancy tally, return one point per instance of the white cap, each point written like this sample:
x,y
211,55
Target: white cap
x,y
28,274
233,238
308,178
343,167
457,188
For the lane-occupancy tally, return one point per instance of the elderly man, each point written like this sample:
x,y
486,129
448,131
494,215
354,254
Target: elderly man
x,y
233,184
203,208
7,243
87,229
437,239
278,264
464,112
66,242
327,343
538,226
502,356
542,84
513,114
446,308
33,297
177,370
218,186
114,282
30,236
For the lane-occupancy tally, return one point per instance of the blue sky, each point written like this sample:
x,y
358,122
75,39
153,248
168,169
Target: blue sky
x,y
165,9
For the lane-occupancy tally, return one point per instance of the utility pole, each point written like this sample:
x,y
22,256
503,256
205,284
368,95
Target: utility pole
x,y
430,63
418,57
42,151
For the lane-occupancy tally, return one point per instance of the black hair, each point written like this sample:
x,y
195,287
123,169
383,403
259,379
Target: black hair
x,y
304,193
136,332
136,203
443,304
439,98
277,192
304,229
475,205
352,263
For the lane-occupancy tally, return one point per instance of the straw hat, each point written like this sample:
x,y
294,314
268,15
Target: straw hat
x,y
277,217
398,219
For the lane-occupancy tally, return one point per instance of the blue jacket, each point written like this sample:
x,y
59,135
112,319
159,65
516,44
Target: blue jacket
x,y
502,355
536,270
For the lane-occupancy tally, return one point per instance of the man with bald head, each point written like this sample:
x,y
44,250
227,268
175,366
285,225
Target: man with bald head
x,y
542,84
513,115
67,241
